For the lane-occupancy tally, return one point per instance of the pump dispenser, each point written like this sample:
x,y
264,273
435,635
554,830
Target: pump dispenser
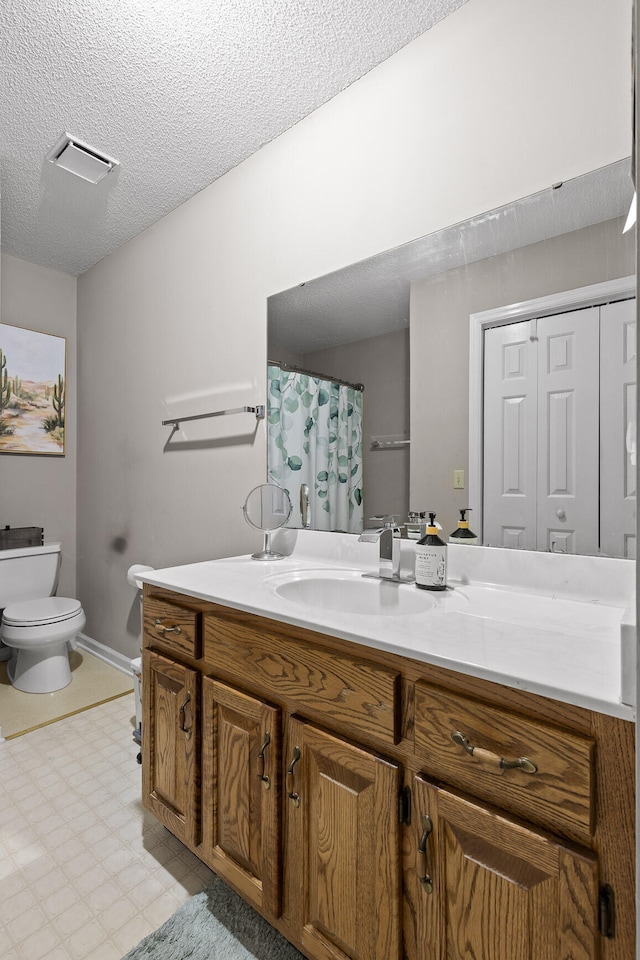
x,y
416,525
431,559
463,534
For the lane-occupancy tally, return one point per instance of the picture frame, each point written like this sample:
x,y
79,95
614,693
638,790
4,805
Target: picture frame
x,y
33,392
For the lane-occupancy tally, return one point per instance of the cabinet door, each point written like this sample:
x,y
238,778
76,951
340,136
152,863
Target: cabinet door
x,y
241,791
170,776
490,888
342,857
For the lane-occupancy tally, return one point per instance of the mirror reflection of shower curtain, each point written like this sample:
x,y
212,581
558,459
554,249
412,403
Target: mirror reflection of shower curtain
x,y
315,437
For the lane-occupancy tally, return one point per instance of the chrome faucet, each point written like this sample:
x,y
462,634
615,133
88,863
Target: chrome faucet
x,y
390,550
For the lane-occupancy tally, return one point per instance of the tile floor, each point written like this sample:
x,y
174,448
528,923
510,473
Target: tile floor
x,y
93,681
85,872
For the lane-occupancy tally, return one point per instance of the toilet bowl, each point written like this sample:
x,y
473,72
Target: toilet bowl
x,y
38,633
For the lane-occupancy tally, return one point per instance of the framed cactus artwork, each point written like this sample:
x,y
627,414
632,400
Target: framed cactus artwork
x,y
33,392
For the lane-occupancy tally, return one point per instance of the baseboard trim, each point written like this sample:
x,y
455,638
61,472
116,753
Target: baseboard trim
x,y
99,650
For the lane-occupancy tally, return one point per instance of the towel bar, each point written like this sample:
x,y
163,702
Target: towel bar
x,y
176,421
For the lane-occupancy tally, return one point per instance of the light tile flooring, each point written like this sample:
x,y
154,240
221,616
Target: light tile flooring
x,y
85,872
93,681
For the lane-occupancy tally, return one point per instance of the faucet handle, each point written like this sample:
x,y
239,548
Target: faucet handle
x,y
388,520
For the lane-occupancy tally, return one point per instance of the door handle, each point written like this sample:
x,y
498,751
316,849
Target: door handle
x,y
422,859
182,718
291,793
162,629
493,760
261,776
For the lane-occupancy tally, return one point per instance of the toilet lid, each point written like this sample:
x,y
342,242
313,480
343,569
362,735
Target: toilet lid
x,y
35,613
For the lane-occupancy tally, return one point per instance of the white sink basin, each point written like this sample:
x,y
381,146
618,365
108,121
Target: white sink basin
x,y
349,592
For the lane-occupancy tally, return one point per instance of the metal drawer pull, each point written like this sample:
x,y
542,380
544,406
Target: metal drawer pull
x,y
162,629
261,776
183,718
421,859
290,781
486,756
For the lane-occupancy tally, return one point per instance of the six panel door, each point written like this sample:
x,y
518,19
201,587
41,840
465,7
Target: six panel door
x,y
568,441
552,479
510,436
618,458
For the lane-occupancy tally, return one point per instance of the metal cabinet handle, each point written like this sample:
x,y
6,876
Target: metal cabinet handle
x,y
162,629
261,776
422,858
295,797
182,718
492,759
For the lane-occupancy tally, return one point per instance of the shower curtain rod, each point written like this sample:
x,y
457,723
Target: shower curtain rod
x,y
291,368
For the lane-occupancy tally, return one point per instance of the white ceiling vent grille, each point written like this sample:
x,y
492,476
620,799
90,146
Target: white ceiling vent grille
x,y
77,157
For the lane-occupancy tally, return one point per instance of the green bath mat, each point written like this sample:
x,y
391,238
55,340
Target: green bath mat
x,y
215,924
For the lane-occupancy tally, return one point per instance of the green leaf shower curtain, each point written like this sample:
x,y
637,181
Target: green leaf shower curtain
x,y
315,437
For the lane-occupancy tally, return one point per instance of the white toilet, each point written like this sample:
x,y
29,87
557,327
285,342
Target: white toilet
x,y
37,627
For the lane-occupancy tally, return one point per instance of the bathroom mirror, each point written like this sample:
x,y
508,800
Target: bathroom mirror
x,y
267,508
398,324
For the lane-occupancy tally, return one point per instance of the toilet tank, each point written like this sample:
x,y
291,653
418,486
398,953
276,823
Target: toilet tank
x,y
28,573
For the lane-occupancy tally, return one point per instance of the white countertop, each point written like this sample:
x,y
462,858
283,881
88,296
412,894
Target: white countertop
x,y
562,627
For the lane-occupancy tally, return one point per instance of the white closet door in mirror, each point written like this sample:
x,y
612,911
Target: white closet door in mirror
x,y
618,429
510,431
568,448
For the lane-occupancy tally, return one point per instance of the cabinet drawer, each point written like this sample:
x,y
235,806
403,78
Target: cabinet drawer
x,y
359,694
171,628
558,795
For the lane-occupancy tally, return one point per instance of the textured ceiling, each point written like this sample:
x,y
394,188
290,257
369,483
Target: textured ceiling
x,y
179,91
372,297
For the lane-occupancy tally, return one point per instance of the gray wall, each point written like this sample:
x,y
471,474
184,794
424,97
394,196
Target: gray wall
x,y
41,490
175,321
382,365
440,310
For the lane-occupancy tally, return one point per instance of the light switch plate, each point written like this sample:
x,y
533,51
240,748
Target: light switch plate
x,y
458,479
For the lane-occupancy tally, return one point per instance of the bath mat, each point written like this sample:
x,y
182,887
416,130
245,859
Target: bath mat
x,y
215,924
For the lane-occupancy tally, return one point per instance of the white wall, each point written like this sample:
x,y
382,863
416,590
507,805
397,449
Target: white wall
x,y
457,123
40,490
382,365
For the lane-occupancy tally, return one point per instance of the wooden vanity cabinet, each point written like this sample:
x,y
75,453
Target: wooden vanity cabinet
x,y
322,782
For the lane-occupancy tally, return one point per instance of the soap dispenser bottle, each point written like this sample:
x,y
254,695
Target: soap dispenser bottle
x,y
463,534
431,559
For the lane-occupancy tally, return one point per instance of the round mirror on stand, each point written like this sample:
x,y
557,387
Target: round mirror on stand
x,y
267,508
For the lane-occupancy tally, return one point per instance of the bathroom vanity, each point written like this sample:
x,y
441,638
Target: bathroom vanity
x,y
420,783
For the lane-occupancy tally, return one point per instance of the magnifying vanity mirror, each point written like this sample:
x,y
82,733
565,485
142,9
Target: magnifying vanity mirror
x,y
267,508
369,372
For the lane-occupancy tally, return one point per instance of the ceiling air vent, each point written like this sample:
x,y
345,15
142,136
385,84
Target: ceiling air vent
x,y
77,157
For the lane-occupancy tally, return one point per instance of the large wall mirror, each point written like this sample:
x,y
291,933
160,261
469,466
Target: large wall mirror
x,y
369,373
